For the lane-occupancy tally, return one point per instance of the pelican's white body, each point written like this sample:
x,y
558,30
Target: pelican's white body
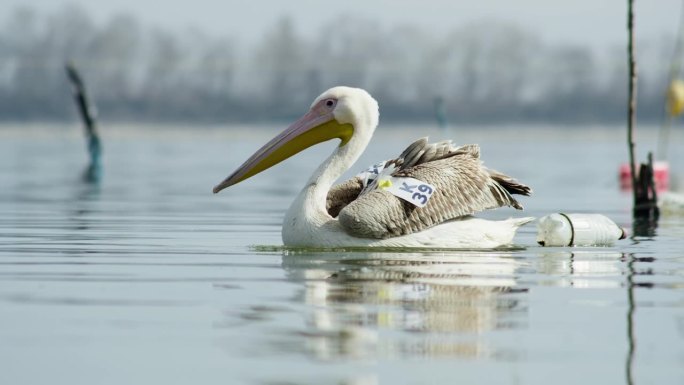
x,y
468,233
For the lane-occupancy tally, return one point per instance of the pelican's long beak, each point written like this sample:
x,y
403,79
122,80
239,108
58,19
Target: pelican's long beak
x,y
316,126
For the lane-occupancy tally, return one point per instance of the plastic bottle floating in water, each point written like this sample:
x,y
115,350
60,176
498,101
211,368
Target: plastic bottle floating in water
x,y
578,230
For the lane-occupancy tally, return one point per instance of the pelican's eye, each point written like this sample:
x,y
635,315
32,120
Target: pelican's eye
x,y
330,103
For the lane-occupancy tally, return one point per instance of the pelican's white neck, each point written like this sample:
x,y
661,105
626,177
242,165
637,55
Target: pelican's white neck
x,y
311,201
331,169
308,212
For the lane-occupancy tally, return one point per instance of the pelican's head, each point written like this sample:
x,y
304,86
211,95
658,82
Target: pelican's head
x,y
349,114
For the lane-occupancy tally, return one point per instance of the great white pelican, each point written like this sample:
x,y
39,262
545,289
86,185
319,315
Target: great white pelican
x,y
445,184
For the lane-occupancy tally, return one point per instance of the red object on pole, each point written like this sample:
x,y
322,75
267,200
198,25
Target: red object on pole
x,y
661,176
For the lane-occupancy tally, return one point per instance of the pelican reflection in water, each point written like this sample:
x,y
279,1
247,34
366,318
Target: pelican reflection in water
x,y
359,303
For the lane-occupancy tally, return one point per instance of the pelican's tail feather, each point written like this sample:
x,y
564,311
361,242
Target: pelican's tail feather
x,y
518,222
510,184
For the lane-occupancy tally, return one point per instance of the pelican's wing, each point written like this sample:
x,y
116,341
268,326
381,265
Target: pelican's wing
x,y
462,187
342,194
418,152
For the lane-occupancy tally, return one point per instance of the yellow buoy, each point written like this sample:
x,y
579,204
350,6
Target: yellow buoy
x,y
675,97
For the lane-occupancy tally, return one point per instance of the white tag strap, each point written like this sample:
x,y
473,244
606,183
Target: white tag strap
x,y
411,190
368,176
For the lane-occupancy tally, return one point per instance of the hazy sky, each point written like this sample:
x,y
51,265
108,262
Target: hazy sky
x,y
593,22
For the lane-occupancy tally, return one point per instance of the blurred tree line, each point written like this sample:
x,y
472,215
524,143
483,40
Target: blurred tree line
x,y
485,72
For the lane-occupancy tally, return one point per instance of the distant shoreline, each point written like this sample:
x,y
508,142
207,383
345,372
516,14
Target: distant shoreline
x,y
387,130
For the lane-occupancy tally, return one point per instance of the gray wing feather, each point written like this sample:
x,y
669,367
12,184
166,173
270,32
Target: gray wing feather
x,y
421,151
463,186
511,185
342,194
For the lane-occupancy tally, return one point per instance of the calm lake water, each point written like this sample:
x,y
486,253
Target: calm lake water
x,y
149,278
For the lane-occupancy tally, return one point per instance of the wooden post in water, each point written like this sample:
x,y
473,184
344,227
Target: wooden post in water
x,y
631,107
94,171
440,113
645,210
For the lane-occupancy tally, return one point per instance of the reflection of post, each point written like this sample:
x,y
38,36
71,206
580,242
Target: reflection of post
x,y
630,321
93,172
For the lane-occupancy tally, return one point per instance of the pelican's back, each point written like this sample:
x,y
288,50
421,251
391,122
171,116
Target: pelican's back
x,y
462,187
